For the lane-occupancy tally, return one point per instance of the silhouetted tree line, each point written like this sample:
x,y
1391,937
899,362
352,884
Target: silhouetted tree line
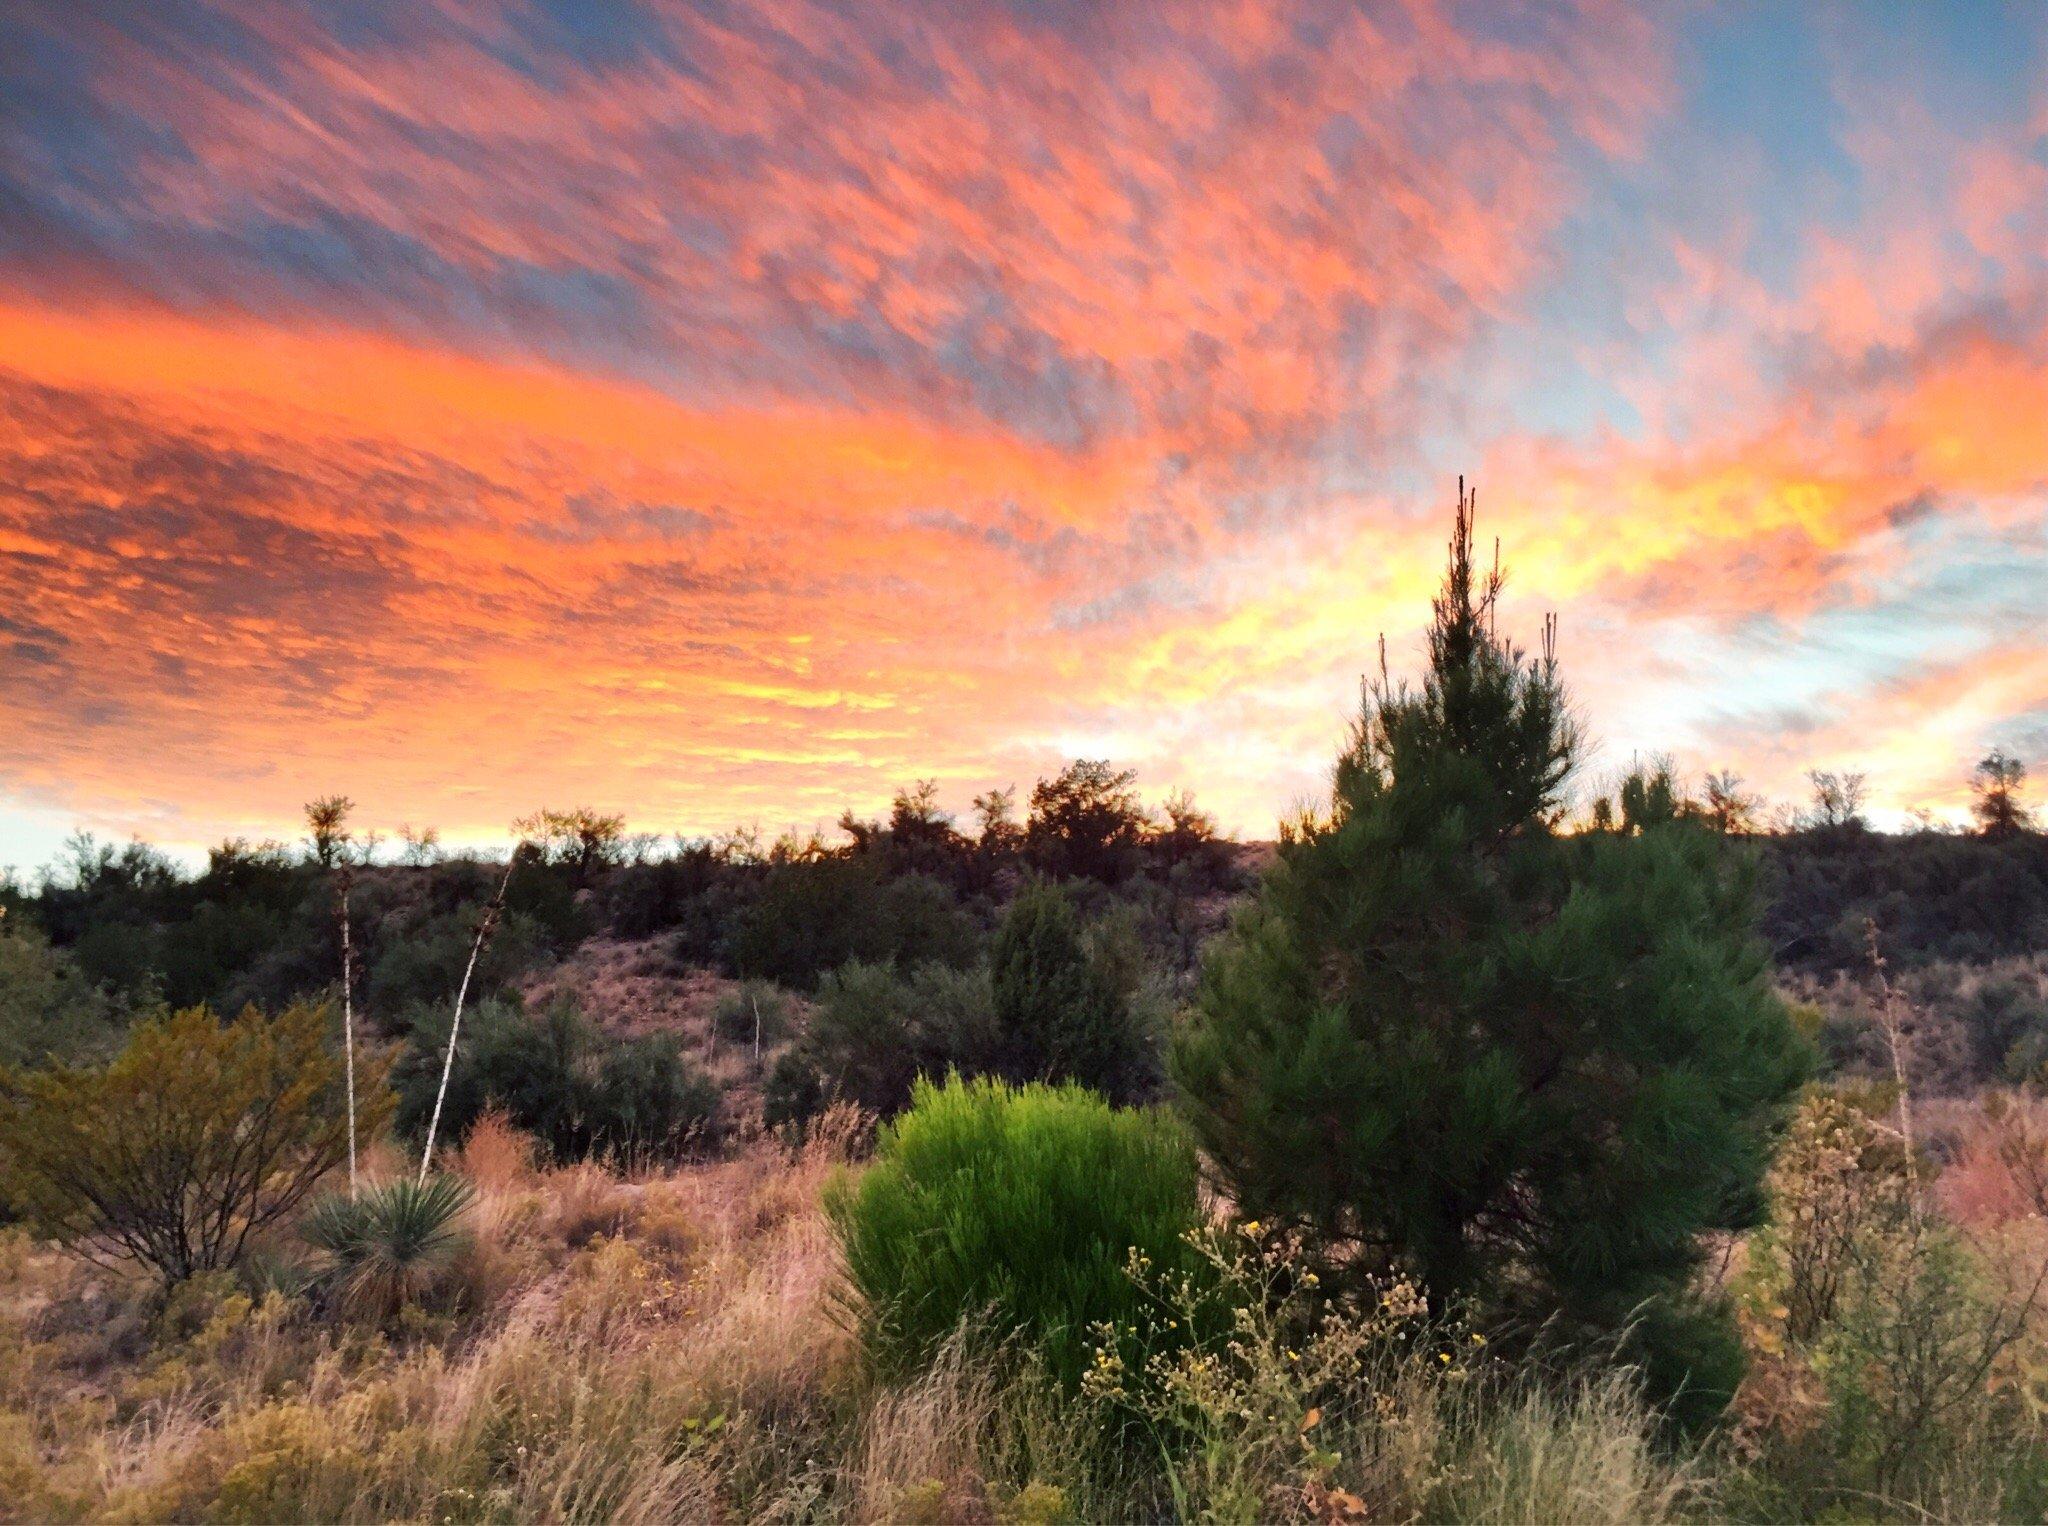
x,y
915,890
258,923
914,887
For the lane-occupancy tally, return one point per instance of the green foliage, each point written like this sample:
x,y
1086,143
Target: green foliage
x,y
1938,896
419,960
1285,1405
241,930
573,1089
96,884
922,922
215,942
1016,1209
806,919
814,915
1185,846
48,1009
758,1009
794,1093
918,837
1901,1333
1061,1006
1840,1181
692,890
1535,1068
389,1245
195,1137
877,1029
1062,1011
545,898
120,953
646,1100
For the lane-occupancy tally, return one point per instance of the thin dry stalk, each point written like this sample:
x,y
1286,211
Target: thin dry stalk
x,y
483,932
1888,1020
343,882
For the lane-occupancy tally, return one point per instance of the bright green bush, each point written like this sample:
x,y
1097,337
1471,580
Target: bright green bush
x,y
1016,1209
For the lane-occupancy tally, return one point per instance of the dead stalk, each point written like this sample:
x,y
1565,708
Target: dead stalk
x,y
343,882
483,932
1888,1020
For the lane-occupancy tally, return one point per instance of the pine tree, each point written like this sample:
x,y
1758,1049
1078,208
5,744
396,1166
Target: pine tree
x,y
1534,1068
1060,1016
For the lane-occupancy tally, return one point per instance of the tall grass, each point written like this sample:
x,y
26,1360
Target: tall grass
x,y
667,1346
1534,1455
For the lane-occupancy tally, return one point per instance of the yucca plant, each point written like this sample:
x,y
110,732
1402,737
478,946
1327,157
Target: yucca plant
x,y
388,1246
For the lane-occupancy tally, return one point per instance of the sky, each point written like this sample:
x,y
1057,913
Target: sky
x,y
732,412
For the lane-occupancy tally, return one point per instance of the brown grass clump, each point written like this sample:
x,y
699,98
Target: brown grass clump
x,y
584,1201
496,1154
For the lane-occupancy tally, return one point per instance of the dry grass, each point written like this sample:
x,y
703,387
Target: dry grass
x,y
920,1448
664,1347
653,1349
1588,1455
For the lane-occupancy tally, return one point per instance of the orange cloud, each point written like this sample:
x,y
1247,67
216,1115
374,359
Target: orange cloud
x,y
737,412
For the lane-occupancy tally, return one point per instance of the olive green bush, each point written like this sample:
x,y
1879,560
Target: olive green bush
x,y
577,1091
195,1138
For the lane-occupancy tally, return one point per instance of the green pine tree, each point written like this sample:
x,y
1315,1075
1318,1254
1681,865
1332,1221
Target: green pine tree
x,y
1448,1038
1061,1015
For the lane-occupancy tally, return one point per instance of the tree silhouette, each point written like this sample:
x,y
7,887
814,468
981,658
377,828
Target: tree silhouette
x,y
327,827
1996,785
1086,821
1731,808
1837,799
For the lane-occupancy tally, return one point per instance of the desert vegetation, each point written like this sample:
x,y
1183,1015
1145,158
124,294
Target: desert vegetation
x,y
1492,1147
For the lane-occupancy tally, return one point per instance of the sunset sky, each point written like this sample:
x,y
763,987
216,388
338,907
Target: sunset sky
x,y
730,412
